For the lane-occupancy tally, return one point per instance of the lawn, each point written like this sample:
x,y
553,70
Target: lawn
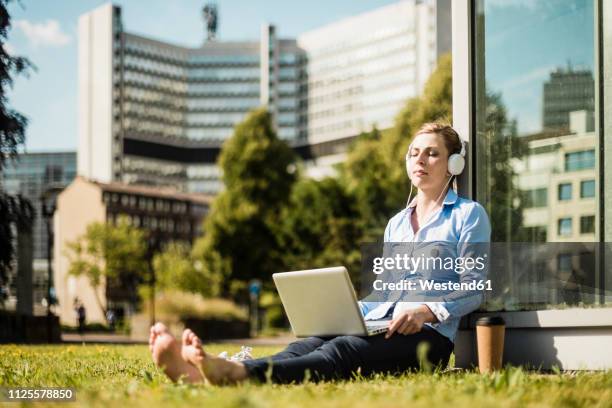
x,y
120,376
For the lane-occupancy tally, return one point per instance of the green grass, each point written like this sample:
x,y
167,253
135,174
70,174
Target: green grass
x,y
119,376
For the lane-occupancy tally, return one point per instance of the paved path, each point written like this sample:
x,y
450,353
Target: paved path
x,y
111,338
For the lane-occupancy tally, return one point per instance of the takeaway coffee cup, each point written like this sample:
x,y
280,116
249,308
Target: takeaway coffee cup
x,y
490,339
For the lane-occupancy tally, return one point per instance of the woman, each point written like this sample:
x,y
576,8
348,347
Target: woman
x,y
436,214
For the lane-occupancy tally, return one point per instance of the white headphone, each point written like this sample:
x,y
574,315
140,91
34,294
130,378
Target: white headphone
x,y
456,161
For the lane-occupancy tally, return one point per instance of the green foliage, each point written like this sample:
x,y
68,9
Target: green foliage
x,y
241,232
13,210
497,182
108,252
256,164
274,316
264,222
176,269
174,306
12,123
321,226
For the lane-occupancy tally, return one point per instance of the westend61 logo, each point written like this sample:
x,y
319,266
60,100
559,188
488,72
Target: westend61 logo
x,y
432,285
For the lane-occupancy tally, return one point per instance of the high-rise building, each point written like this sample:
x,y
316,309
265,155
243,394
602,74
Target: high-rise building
x,y
362,69
567,90
156,113
31,175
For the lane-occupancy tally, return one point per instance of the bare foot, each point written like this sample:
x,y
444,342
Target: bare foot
x,y
166,352
216,370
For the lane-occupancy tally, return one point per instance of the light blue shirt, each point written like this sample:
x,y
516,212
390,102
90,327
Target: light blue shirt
x,y
459,220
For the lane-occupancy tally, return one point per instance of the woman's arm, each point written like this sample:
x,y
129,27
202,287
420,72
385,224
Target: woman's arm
x,y
411,321
473,242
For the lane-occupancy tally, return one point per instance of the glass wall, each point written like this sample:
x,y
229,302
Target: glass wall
x,y
537,149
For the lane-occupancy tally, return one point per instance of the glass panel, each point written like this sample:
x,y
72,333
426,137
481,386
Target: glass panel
x,y
537,143
587,224
587,189
580,160
565,191
565,226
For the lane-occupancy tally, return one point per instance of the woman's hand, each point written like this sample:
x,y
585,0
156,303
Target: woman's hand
x,y
411,321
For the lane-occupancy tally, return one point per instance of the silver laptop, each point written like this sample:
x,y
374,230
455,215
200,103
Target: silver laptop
x,y
322,302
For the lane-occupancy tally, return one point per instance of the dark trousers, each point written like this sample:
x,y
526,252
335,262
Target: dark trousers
x,y
341,357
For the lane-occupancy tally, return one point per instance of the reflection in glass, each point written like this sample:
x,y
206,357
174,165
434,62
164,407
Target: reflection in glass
x,y
536,140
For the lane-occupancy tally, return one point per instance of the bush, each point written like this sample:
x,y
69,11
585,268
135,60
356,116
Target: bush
x,y
274,313
174,306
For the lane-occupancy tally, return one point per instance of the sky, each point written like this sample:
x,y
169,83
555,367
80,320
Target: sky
x,y
45,31
525,41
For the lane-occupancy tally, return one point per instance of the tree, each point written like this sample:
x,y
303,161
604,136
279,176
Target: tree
x,y
375,167
175,269
18,212
321,226
12,123
497,183
12,136
106,253
240,239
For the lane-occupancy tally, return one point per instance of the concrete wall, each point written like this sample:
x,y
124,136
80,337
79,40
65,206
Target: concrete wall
x,y
77,206
94,155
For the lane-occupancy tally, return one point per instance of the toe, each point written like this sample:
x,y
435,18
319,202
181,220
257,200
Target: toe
x,y
186,336
163,345
160,328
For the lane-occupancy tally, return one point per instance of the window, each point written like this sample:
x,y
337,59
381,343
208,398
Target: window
x,y
565,226
564,262
580,160
587,224
565,191
587,189
535,198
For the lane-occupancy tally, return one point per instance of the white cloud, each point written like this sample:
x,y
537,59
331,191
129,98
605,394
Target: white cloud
x,y
8,47
536,75
48,33
529,4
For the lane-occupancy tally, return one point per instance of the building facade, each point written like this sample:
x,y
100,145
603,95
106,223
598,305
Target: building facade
x,y
164,214
32,175
567,90
362,69
155,113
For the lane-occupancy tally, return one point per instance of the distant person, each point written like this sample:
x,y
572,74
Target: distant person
x,y
111,319
437,214
81,318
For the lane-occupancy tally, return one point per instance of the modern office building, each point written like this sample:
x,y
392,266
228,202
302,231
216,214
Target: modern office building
x,y
165,214
567,90
32,175
362,69
156,113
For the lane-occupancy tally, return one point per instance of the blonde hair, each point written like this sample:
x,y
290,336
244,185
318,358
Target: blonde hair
x,y
452,141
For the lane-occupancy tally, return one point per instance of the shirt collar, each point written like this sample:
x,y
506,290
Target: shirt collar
x,y
451,198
